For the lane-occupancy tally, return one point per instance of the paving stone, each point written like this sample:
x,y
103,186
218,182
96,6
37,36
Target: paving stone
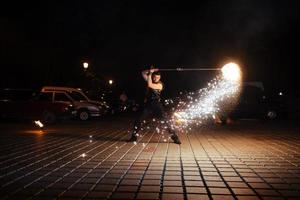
x,y
201,190
248,198
260,185
267,192
123,195
197,197
130,182
153,176
101,187
124,188
172,183
290,193
151,182
97,194
237,184
194,183
215,184
74,193
222,197
166,196
170,189
219,190
243,191
152,188
172,178
148,195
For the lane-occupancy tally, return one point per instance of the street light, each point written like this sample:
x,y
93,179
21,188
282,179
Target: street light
x,y
110,82
85,65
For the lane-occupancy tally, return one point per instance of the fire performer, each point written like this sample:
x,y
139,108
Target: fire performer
x,y
153,105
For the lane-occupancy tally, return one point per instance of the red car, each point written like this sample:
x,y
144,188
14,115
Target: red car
x,y
25,104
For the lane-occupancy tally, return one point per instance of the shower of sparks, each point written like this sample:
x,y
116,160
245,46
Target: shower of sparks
x,y
219,94
210,102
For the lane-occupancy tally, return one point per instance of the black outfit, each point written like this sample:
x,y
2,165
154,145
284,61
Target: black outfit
x,y
153,106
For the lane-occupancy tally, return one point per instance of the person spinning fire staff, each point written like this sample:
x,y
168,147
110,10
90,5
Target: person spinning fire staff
x,y
153,105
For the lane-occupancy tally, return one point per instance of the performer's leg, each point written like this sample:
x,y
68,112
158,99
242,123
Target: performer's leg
x,y
160,112
138,123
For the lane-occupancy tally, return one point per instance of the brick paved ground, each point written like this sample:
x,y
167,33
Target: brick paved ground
x,y
249,160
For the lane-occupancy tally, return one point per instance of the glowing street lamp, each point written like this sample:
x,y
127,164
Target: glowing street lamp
x,y
231,71
39,123
110,82
85,65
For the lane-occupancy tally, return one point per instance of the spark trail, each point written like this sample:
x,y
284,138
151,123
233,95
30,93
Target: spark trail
x,y
219,95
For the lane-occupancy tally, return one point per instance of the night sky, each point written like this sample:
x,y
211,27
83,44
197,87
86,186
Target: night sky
x,y
46,43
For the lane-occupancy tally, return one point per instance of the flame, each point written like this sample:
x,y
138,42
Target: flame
x,y
231,71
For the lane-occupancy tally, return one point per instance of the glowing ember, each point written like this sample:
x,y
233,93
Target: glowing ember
x,y
39,123
231,71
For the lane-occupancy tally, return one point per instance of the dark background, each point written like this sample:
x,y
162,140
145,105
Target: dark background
x,y
46,42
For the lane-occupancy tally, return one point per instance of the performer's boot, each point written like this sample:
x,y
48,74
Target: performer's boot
x,y
175,139
133,138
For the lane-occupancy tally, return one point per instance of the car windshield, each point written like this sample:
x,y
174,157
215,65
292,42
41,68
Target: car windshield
x,y
77,96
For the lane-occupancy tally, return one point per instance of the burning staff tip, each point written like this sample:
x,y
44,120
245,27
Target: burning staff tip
x,y
231,71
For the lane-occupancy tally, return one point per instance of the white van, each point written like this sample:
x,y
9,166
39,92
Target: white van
x,y
85,107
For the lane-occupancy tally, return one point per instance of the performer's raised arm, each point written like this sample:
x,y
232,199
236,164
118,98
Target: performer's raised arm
x,y
154,84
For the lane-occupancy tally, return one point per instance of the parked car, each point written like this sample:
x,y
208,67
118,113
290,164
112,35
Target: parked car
x,y
29,104
85,107
254,103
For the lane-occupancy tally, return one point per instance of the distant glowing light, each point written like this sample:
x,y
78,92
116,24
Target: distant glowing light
x,y
83,155
231,71
85,65
280,94
39,123
110,82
